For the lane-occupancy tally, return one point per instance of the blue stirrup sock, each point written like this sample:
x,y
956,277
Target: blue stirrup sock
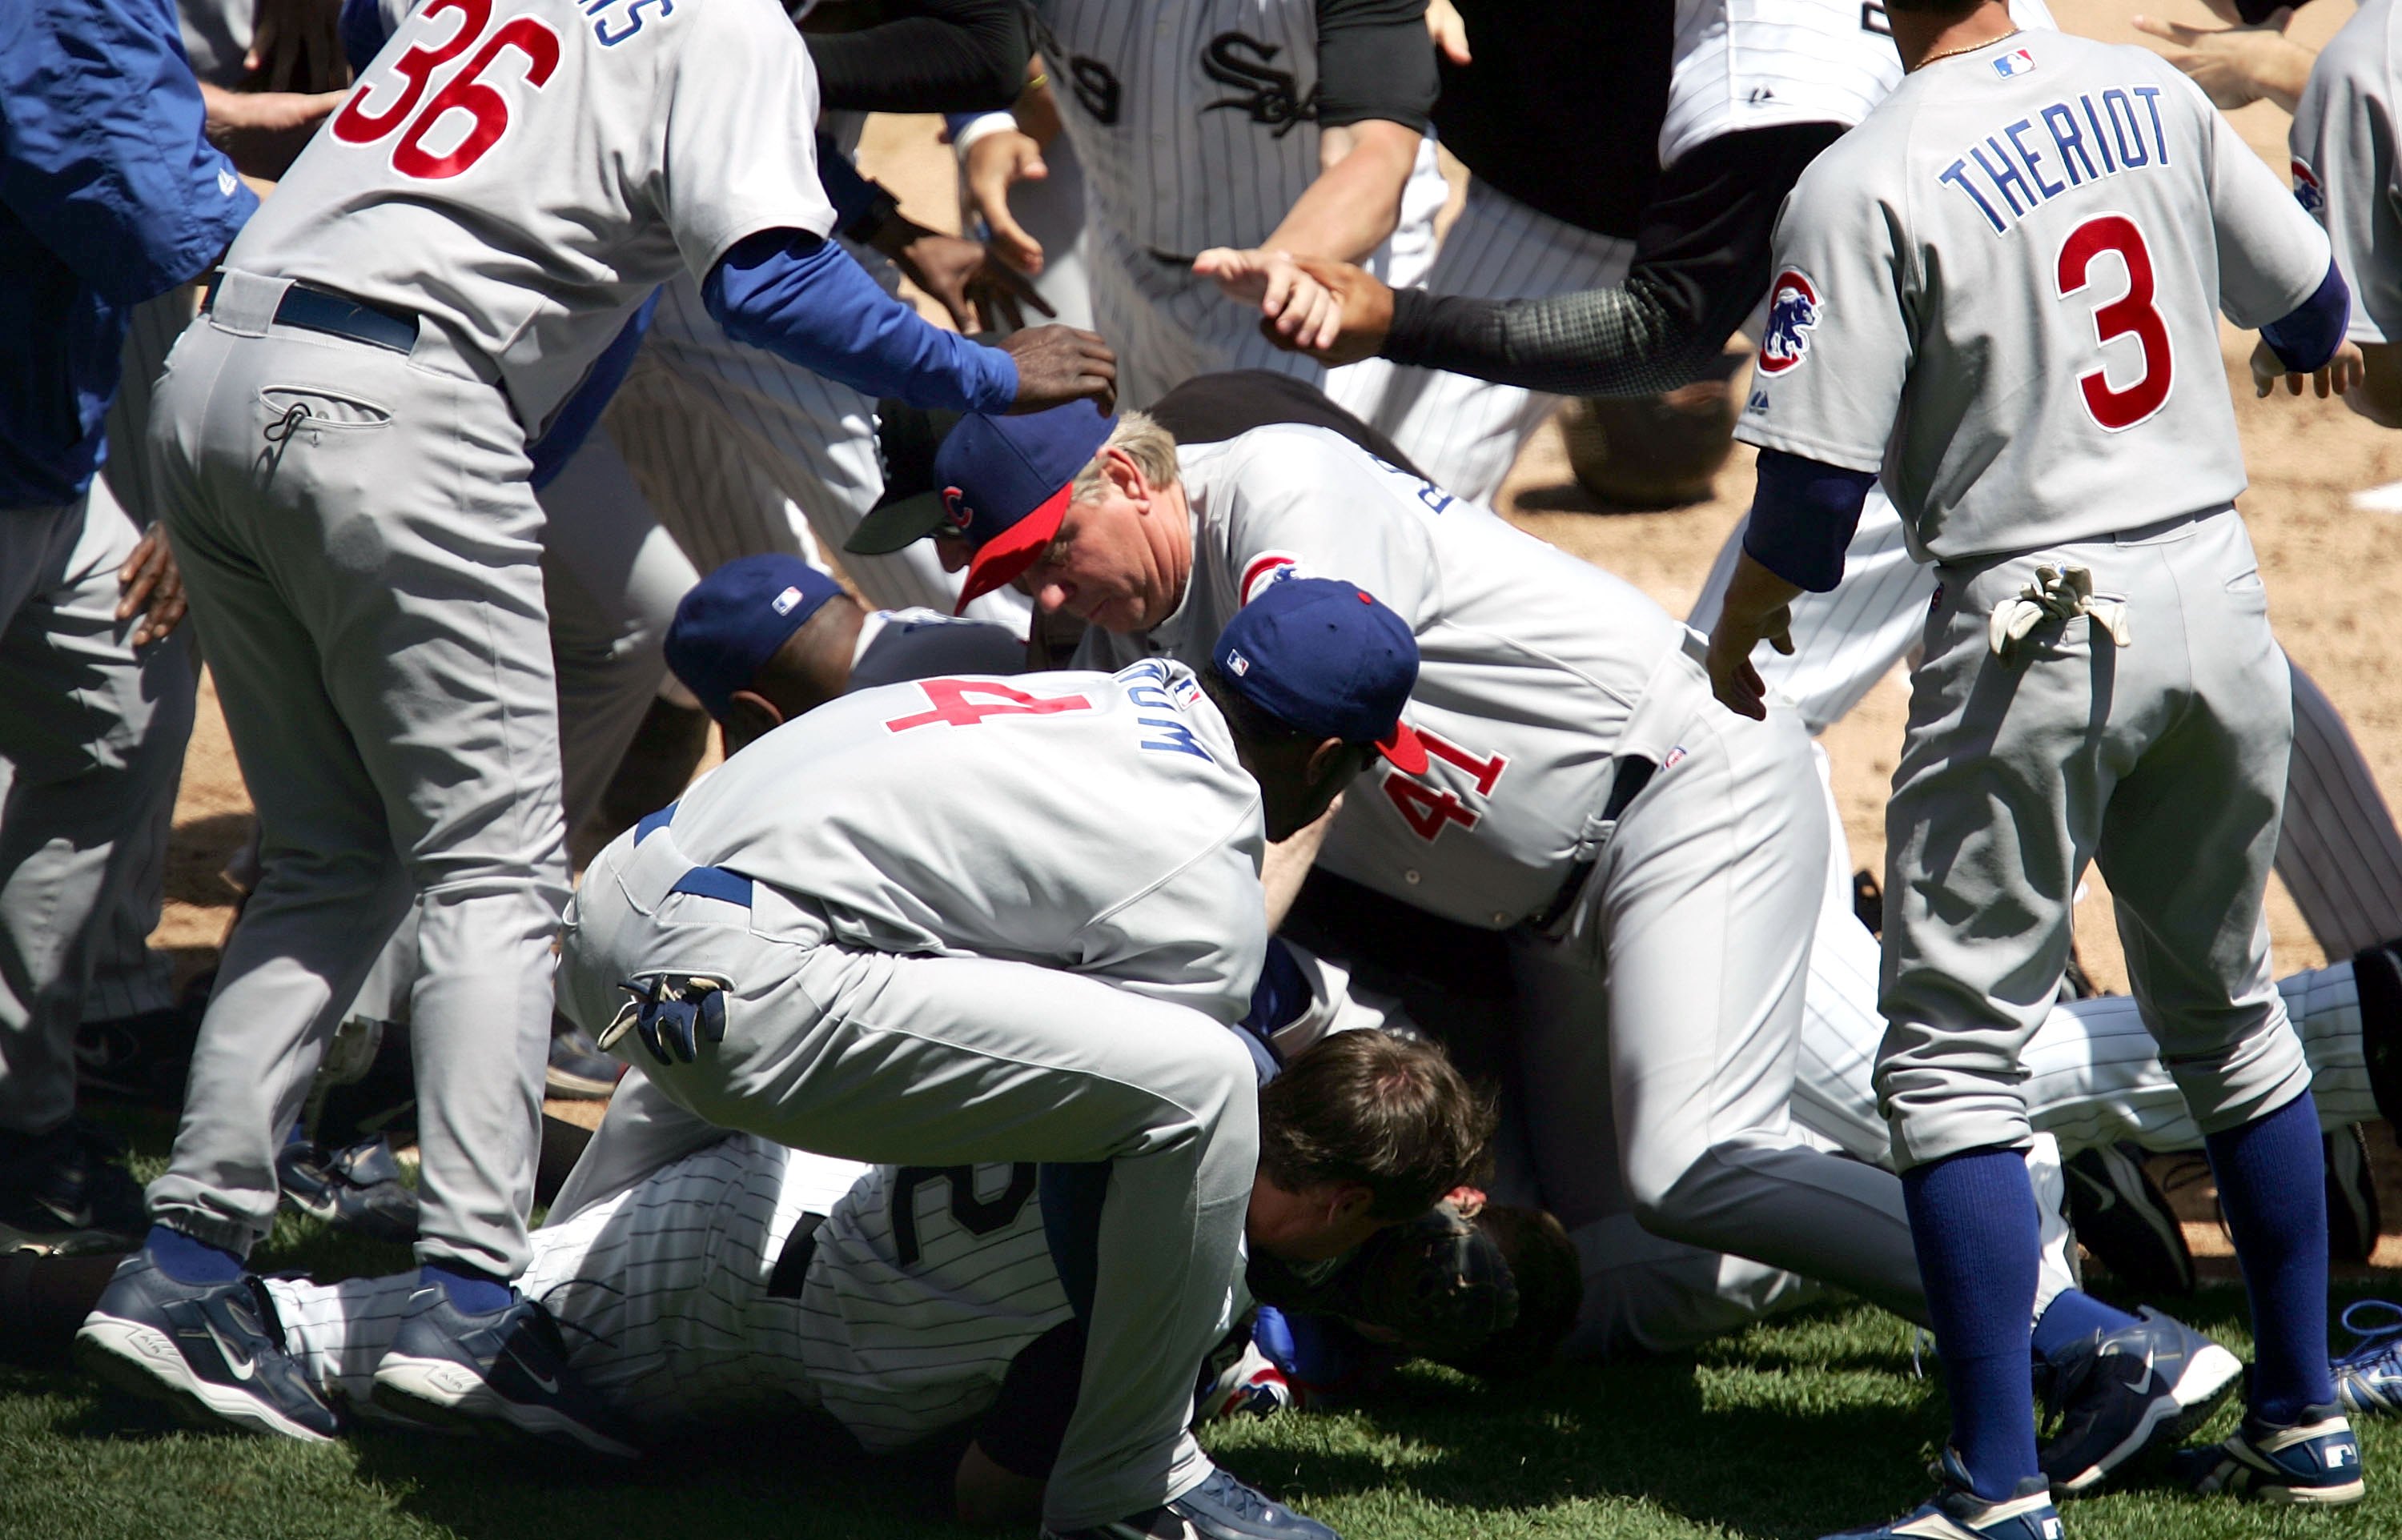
x,y
2273,1183
1972,1218
187,1260
471,1290
2073,1319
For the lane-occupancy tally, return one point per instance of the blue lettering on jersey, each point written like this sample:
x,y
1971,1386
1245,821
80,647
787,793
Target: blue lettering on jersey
x,y
1146,688
1434,497
2026,164
612,35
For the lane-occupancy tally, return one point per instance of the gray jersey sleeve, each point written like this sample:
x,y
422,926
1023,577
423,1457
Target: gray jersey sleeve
x,y
2344,151
737,152
1838,344
2271,255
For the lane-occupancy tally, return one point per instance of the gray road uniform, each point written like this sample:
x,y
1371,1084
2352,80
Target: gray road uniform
x,y
968,920
2344,169
363,552
1997,291
1544,684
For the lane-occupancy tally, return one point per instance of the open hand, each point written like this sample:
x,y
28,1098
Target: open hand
x,y
2338,375
151,586
994,164
1056,364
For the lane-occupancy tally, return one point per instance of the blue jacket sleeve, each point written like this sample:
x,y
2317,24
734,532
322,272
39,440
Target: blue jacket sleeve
x,y
1803,517
572,423
105,158
364,33
2307,335
804,300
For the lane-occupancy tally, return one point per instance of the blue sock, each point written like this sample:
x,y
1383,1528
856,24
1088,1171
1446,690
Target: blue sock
x,y
2073,1319
470,1289
1972,1220
2273,1184
187,1260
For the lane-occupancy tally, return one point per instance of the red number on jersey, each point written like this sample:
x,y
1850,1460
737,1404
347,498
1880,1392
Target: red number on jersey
x,y
953,707
1425,811
1428,809
486,108
2129,315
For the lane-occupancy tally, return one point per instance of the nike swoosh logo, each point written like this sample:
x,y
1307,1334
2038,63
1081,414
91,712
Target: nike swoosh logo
x,y
238,1362
226,182
78,1218
549,1386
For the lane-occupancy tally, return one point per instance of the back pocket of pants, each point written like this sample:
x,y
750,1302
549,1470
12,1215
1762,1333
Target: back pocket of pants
x,y
288,408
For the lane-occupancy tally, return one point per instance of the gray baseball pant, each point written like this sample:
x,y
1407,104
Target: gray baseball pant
x,y
2337,850
92,737
364,555
2162,761
949,1060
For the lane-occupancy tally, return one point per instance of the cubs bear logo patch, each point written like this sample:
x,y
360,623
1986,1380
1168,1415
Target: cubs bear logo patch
x,y
1793,312
2306,190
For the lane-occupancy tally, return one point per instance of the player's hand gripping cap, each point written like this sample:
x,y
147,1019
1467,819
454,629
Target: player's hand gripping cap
x,y
731,622
1319,656
1002,484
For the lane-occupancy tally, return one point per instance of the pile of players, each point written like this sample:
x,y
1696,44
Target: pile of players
x,y
1018,1029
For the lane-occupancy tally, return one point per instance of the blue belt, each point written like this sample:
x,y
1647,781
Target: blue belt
x,y
316,309
710,882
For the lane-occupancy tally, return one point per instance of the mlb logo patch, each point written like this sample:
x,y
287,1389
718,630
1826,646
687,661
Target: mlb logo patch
x,y
2014,64
2306,190
1236,664
1793,312
783,603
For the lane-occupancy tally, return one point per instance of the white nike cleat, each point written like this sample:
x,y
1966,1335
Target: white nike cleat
x,y
214,1352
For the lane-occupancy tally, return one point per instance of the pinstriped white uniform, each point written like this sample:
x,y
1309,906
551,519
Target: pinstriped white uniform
x,y
1194,123
910,1311
1736,65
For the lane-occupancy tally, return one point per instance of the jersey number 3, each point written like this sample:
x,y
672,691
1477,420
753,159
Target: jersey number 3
x,y
2132,314
477,113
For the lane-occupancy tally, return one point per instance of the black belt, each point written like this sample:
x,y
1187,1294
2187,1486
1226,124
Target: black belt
x,y
793,1262
1634,774
315,309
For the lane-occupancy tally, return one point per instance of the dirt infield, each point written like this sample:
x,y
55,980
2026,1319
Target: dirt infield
x,y
2330,572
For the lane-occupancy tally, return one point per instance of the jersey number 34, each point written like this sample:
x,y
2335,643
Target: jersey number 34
x,y
428,147
2132,314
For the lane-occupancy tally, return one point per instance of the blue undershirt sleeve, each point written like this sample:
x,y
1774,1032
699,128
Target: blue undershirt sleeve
x,y
803,299
573,422
852,194
1803,517
2307,335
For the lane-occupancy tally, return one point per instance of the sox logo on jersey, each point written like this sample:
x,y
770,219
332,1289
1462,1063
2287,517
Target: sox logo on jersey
x,y
1273,96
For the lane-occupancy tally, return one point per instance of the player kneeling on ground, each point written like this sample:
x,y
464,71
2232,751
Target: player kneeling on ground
x,y
2000,334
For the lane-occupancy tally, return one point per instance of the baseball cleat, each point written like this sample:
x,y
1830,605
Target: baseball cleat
x,y
2353,1221
2377,973
357,1188
2122,1216
507,1367
214,1352
64,1193
2369,1379
1958,1513
1220,1508
577,1068
2316,1462
2140,1388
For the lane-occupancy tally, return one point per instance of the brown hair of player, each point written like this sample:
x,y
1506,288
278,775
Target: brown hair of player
x,y
1388,1113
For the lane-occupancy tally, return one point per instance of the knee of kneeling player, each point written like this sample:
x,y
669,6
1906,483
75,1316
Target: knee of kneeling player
x,y
1674,1199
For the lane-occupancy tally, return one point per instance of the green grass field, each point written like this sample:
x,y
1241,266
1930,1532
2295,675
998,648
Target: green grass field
x,y
1814,1423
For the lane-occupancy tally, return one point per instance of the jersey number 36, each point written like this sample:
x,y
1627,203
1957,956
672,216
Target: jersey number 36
x,y
478,114
2132,314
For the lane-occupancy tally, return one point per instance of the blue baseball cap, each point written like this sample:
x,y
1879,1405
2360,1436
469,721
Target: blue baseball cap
x,y
731,622
1323,657
1003,483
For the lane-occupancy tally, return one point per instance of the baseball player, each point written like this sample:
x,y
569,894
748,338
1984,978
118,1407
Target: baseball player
x,y
341,445
1260,126
2099,682
1055,883
718,1286
2344,174
109,195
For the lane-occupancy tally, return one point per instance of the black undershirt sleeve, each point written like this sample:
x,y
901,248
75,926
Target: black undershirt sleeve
x,y
949,56
1701,264
1375,61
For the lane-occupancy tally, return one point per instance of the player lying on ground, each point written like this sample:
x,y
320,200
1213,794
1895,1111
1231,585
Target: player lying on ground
x,y
2100,682
745,1280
